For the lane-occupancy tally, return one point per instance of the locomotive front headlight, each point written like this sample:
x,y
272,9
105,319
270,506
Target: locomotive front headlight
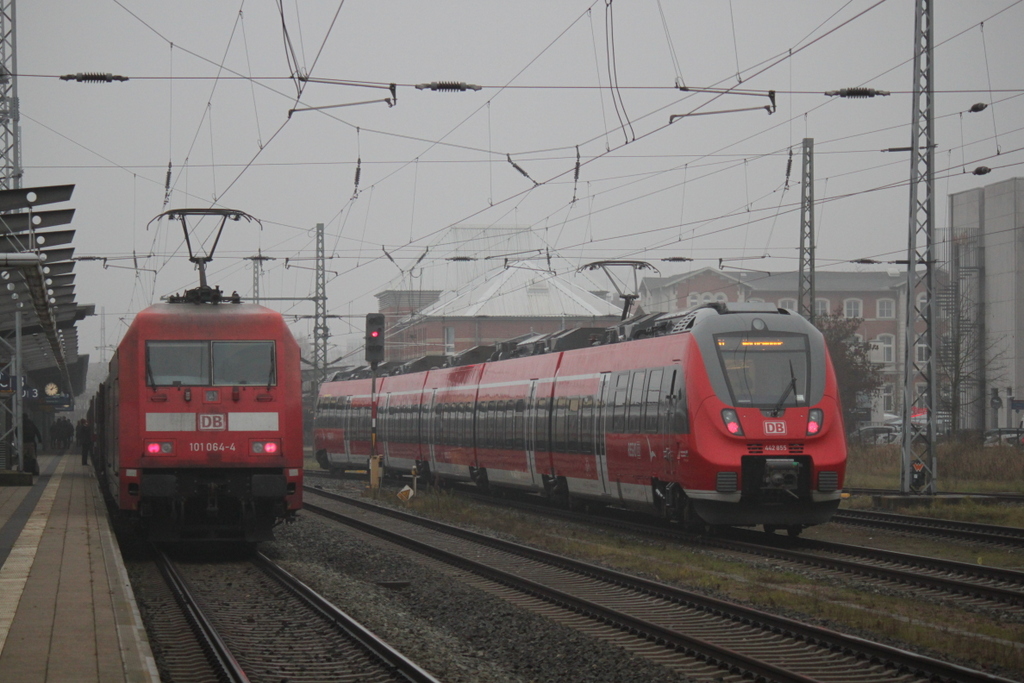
x,y
732,421
815,419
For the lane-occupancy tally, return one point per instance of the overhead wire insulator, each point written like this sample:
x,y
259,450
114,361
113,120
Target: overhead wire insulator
x,y
448,86
93,78
978,107
856,92
576,175
789,166
520,169
359,169
982,170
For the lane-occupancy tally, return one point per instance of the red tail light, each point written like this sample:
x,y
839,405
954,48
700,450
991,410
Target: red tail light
x,y
732,422
265,447
815,420
159,448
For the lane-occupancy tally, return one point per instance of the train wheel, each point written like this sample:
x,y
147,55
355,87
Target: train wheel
x,y
770,528
794,530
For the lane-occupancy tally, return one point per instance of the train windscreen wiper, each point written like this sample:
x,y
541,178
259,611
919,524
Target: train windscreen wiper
x,y
790,388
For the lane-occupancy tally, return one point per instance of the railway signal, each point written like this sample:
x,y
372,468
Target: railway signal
x,y
374,338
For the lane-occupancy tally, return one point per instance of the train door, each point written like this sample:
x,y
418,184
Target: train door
x,y
433,421
346,427
530,425
600,430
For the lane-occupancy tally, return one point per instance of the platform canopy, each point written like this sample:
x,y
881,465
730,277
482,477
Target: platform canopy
x,y
37,279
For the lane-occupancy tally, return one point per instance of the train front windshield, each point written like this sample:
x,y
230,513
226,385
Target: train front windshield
x,y
765,371
204,363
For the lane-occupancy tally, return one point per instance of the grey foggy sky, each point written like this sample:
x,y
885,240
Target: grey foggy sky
x,y
706,187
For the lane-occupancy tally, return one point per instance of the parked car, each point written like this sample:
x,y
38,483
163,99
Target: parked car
x,y
874,435
1005,436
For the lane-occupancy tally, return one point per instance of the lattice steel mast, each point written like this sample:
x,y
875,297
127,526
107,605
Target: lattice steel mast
x,y
805,286
919,395
10,134
320,332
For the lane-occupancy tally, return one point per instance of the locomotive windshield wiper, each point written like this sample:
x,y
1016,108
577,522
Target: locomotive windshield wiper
x,y
273,369
791,387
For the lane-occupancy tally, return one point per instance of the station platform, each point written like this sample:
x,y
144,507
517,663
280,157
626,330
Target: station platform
x,y
67,611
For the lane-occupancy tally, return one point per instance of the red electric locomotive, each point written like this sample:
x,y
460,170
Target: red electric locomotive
x,y
724,415
199,422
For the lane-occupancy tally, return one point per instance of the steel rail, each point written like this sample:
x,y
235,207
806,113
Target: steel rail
x,y
216,649
701,650
899,660
968,531
398,663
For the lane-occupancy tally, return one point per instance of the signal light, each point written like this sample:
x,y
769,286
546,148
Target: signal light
x,y
732,422
815,419
374,338
159,448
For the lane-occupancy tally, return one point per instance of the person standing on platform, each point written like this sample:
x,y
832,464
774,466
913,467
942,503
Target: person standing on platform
x,y
83,434
30,436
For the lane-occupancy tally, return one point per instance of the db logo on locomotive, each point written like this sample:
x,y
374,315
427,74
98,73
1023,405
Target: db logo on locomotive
x,y
774,427
211,422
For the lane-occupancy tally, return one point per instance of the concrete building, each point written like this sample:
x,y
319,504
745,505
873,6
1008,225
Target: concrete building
x,y
984,253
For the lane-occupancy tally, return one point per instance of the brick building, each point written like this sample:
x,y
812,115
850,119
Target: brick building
x,y
505,305
877,298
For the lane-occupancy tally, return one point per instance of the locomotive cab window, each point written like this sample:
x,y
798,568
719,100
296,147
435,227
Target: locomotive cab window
x,y
244,362
765,371
204,363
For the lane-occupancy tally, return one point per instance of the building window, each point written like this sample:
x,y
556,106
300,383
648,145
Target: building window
x,y
821,307
721,298
788,304
921,353
885,347
708,297
921,299
852,308
693,300
888,398
886,309
858,338
449,340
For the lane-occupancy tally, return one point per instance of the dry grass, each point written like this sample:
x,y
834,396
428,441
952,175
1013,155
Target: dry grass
x,y
961,468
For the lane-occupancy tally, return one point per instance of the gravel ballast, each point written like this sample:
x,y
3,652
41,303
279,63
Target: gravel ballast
x,y
457,632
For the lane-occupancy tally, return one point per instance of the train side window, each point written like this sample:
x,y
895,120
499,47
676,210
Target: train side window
x,y
618,402
573,425
675,395
543,425
587,424
484,425
558,433
652,404
518,426
186,363
244,363
636,394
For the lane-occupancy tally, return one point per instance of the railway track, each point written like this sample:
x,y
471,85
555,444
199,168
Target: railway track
x,y
250,620
973,583
734,643
1002,536
998,496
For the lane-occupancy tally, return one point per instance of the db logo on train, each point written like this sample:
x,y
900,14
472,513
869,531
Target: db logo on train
x,y
210,422
774,427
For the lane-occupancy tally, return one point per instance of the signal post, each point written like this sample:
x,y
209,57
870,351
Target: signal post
x,y
374,349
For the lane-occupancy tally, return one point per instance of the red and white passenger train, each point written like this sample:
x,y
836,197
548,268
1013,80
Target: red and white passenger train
x,y
724,415
199,423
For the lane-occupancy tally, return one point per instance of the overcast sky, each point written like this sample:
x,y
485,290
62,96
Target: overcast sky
x,y
210,93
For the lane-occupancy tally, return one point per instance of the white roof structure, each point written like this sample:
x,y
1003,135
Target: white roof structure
x,y
519,292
